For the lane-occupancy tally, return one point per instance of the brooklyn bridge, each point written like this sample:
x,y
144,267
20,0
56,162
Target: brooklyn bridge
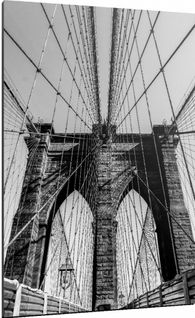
x,y
99,159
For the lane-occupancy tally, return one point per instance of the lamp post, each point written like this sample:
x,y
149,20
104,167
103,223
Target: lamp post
x,y
121,296
66,270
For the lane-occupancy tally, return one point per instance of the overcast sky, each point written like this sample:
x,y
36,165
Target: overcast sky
x,y
27,24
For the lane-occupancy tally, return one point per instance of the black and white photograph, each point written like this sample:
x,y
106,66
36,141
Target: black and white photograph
x,y
98,125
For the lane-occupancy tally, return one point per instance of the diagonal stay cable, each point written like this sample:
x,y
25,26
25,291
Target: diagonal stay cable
x,y
31,92
20,105
158,73
171,106
83,73
51,197
135,248
52,258
93,37
144,234
117,54
137,66
32,133
85,32
65,59
184,105
181,227
45,77
129,51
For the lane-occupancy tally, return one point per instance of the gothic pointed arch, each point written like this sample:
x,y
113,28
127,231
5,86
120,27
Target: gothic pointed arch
x,y
69,240
137,254
163,227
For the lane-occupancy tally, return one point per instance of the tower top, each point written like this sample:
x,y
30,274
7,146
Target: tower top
x,y
104,131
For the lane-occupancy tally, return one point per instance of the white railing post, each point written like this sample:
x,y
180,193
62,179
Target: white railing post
x,y
60,304
45,304
16,311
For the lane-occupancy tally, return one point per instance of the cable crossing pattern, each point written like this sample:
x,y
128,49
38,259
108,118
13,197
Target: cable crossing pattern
x,y
97,211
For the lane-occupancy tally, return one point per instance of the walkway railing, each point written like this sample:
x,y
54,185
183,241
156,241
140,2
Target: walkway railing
x,y
21,300
180,291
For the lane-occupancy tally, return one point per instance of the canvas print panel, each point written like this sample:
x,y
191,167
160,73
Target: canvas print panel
x,y
99,158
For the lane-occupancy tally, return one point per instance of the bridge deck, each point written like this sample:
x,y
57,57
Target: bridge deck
x,y
180,291
21,300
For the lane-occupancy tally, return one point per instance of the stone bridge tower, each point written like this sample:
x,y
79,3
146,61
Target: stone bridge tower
x,y
119,167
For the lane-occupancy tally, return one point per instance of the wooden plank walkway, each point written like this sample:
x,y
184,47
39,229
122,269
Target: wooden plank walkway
x,y
180,291
21,300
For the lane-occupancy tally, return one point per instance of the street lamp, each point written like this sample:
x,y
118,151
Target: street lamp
x,y
66,270
121,296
